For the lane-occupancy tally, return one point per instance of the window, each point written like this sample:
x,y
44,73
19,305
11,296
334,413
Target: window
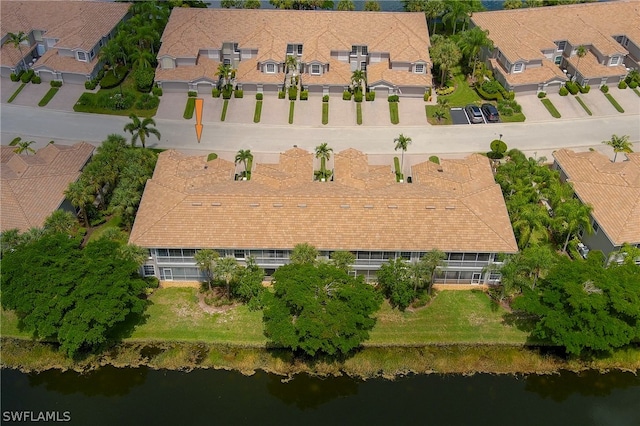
x,y
227,61
271,68
561,45
419,69
595,227
354,50
82,56
518,67
149,270
92,54
299,50
363,66
615,60
364,50
289,49
558,60
315,69
235,48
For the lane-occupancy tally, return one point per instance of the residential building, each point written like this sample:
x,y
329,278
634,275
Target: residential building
x,y
536,49
63,37
613,189
392,48
33,186
191,203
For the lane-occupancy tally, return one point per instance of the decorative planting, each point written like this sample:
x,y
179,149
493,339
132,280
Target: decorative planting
x,y
393,112
224,110
292,105
359,113
258,111
50,94
551,108
189,108
615,103
16,93
584,106
325,112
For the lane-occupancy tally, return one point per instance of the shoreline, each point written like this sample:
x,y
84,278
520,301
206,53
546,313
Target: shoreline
x,y
369,362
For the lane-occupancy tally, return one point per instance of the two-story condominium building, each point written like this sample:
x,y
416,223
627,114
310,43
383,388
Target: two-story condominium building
x,y
536,49
392,48
613,189
63,37
191,203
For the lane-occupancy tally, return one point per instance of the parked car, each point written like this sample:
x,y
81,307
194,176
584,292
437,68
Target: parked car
x,y
474,114
490,112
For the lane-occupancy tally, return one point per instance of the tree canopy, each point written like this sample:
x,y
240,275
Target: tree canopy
x,y
74,296
319,309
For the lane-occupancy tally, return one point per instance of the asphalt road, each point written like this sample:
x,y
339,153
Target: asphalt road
x,y
541,137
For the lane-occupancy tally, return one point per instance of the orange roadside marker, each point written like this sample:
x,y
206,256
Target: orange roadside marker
x,y
199,105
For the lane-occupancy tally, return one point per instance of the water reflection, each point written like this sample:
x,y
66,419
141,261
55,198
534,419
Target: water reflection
x,y
106,381
306,392
561,386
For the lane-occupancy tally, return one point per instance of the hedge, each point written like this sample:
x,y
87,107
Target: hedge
x,y
563,91
238,94
192,93
281,94
292,105
572,87
346,95
304,95
215,92
393,112
584,89
157,91
622,85
325,98
604,88
393,98
258,111
358,97
26,77
259,96
293,93
110,81
370,96
541,95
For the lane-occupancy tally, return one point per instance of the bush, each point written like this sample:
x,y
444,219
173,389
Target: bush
x,y
491,87
541,95
238,94
293,93
116,101
434,159
633,84
281,94
304,95
157,91
56,83
226,93
498,146
110,80
370,96
622,85
511,95
147,101
393,98
144,79
36,79
563,91
215,92
212,156
325,98
508,107
572,87
26,77
192,94
259,96
90,84
445,91
346,95
100,74
358,97
604,89
584,89
14,77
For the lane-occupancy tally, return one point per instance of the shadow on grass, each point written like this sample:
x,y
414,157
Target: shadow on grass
x,y
521,321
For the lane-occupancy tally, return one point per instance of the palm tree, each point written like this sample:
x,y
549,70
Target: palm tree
x,y
581,52
16,40
60,222
226,268
619,144
206,259
140,129
224,72
431,261
80,197
245,156
146,36
573,216
443,102
530,223
538,260
359,80
303,254
141,58
25,146
446,54
472,42
323,152
439,114
134,253
456,10
110,54
371,6
343,259
402,142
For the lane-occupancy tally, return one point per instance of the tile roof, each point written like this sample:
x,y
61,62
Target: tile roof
x,y
547,72
76,24
33,185
613,189
403,35
522,34
589,67
456,206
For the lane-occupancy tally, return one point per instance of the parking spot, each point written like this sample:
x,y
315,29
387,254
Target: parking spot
x,y
459,116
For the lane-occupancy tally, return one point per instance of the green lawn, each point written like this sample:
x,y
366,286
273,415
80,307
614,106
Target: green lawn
x,y
258,112
584,106
46,98
431,109
292,105
464,95
550,107
225,105
359,112
452,317
16,93
615,103
393,112
128,84
325,112
9,325
189,108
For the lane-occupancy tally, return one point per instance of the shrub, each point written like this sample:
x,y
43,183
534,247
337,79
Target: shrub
x,y
358,97
445,91
633,84
215,92
157,91
393,98
604,88
144,79
584,89
110,80
116,101
304,95
281,94
491,87
100,74
36,79
259,96
346,95
511,95
90,84
622,85
508,107
325,98
238,93
226,93
370,96
147,101
572,87
541,95
293,93
192,94
212,156
14,77
26,77
434,159
498,146
563,91
56,83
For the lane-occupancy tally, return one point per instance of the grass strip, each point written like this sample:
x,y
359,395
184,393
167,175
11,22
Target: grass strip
x,y
516,117
292,105
430,110
16,93
615,103
189,108
325,112
258,112
550,107
637,91
359,113
50,94
581,102
224,110
393,112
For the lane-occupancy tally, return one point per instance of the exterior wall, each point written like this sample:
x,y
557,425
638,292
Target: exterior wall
x,y
181,62
401,66
167,63
174,86
598,241
5,72
526,89
73,78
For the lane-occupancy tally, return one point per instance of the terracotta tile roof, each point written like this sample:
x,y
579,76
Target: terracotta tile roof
x,y
205,68
51,60
403,35
522,34
380,72
33,185
545,73
589,67
613,189
458,209
76,24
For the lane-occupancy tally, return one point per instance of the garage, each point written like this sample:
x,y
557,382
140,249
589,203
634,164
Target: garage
x,y
527,89
315,88
412,91
204,88
270,88
46,76
73,78
336,90
381,92
5,72
175,86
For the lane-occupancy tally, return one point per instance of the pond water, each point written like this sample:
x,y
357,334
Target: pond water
x,y
140,396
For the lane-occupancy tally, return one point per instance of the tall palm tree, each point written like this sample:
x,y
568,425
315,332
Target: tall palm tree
x,y
60,222
530,224
581,52
323,152
134,253
224,72
359,80
145,37
80,196
141,58
619,144
110,54
446,54
140,129
16,40
226,269
573,216
25,146
206,260
431,261
538,260
303,254
402,142
456,10
472,42
245,156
